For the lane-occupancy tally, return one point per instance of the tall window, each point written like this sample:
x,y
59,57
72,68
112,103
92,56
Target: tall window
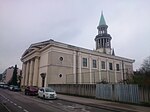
x,y
117,67
94,63
110,66
84,62
103,65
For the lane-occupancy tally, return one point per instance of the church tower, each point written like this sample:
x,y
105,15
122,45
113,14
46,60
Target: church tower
x,y
103,39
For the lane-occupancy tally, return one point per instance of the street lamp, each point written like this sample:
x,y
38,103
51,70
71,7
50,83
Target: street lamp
x,y
19,80
43,75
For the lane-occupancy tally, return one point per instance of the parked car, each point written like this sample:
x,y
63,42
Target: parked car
x,y
1,85
16,88
47,93
11,87
5,86
31,90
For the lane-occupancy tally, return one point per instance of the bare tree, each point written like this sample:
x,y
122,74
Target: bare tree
x,y
146,65
142,76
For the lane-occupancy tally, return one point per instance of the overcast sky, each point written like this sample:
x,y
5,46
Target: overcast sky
x,y
23,22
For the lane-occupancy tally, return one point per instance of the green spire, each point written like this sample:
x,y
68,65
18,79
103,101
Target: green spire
x,y
102,20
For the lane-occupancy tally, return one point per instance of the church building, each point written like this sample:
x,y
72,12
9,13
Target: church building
x,y
52,62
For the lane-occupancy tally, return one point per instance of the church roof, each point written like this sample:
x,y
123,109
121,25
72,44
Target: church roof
x,y
37,47
102,20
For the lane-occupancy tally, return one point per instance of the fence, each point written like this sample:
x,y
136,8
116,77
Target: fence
x,y
115,92
118,92
144,94
87,90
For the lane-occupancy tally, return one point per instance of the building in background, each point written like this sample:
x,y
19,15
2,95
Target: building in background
x,y
52,62
8,73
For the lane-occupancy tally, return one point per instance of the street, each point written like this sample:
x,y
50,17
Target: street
x,y
18,102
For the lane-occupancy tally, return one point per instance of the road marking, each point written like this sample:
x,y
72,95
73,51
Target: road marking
x,y
7,99
25,110
15,104
51,101
11,102
69,106
19,107
59,103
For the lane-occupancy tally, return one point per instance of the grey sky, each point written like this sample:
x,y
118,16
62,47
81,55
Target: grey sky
x,y
23,22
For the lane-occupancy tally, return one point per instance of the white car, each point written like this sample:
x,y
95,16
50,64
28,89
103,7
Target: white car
x,y
47,93
11,87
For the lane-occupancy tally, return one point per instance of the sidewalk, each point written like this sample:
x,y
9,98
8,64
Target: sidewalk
x,y
104,104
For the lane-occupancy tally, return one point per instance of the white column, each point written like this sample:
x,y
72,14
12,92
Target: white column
x,y
100,74
30,73
27,73
23,74
107,68
115,71
36,73
80,65
74,66
125,72
121,70
90,62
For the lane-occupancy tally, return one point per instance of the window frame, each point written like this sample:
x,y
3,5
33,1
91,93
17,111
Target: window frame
x,y
94,63
103,65
110,66
117,67
84,63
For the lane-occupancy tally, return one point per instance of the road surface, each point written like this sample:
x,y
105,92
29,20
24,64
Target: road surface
x,y
18,102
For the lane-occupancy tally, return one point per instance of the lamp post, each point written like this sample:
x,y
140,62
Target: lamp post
x,y
43,75
19,80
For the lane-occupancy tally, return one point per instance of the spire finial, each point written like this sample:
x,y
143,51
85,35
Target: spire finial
x,y
102,20
113,52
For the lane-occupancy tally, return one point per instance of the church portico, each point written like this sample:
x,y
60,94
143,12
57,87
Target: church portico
x,y
30,71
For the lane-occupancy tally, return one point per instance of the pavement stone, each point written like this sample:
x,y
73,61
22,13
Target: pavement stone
x,y
104,104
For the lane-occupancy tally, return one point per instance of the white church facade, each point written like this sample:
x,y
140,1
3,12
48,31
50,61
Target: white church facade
x,y
52,62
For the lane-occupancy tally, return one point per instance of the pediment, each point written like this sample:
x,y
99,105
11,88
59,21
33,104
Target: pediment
x,y
36,47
